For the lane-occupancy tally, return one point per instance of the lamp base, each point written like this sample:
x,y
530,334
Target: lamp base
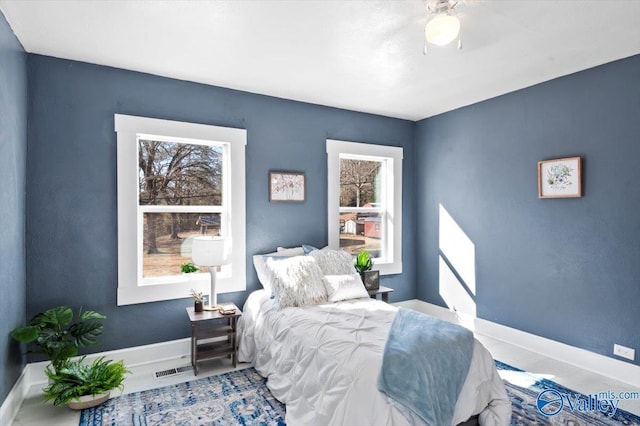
x,y
211,308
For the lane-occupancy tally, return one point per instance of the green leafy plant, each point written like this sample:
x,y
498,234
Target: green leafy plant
x,y
75,379
363,262
188,268
58,336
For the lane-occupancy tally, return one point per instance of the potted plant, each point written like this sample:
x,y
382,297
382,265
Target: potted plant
x,y
188,268
81,385
56,335
364,265
197,300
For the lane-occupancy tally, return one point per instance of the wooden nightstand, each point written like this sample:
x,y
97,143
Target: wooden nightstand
x,y
213,335
383,291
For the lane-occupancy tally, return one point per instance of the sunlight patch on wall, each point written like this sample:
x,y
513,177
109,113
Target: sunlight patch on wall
x,y
458,249
453,292
457,269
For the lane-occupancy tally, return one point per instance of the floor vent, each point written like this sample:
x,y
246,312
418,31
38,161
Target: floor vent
x,y
172,371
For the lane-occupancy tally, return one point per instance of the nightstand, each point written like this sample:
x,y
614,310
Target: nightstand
x,y
213,335
383,291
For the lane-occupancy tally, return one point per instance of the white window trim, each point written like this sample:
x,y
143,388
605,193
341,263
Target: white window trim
x,y
129,289
394,208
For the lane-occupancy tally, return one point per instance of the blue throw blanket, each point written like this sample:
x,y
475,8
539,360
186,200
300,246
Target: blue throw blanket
x,y
425,364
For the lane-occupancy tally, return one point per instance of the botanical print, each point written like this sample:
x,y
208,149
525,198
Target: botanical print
x,y
559,175
287,186
560,178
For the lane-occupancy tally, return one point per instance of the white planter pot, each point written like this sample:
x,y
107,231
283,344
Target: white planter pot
x,y
88,401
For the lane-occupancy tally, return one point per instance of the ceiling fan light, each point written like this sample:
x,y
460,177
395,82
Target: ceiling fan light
x,y
442,29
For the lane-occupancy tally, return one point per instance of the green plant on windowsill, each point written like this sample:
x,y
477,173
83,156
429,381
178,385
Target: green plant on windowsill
x,y
188,268
363,262
56,335
76,379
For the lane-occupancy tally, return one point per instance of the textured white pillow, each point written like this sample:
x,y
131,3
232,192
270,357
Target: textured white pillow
x,y
344,287
259,260
334,262
296,281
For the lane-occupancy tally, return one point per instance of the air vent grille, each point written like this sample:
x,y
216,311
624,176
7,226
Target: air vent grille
x,y
171,371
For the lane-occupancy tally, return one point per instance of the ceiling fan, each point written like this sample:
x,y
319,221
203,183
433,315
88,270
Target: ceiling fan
x,y
443,24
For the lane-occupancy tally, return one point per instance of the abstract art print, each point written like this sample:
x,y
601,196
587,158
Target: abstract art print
x,y
560,178
286,187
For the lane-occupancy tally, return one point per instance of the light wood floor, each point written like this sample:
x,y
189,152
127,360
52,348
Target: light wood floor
x,y
34,412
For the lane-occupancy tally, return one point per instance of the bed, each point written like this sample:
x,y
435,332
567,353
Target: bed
x,y
323,361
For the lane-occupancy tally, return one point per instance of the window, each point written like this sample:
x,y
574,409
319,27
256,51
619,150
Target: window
x,y
365,201
176,181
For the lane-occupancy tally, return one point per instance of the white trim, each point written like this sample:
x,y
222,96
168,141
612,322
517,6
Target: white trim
x,y
130,290
335,149
14,399
587,360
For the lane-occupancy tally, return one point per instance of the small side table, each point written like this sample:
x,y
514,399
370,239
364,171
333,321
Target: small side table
x,y
383,291
209,325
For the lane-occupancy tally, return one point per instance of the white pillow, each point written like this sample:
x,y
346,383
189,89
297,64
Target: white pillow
x,y
296,281
261,269
334,262
293,251
259,263
344,287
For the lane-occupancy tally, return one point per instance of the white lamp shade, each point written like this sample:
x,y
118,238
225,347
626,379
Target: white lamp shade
x,y
208,251
442,29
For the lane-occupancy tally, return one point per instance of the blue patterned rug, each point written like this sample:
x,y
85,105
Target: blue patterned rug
x,y
561,405
242,398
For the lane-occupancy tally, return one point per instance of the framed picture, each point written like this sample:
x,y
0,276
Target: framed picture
x,y
287,187
560,178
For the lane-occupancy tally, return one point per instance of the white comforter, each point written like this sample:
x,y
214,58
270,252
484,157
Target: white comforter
x,y
323,362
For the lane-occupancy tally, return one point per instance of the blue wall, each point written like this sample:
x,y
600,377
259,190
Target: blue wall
x,y
13,150
565,269
71,190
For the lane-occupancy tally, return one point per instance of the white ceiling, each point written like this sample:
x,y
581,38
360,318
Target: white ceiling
x,y
360,55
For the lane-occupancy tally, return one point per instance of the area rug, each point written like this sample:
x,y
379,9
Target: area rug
x,y
242,398
532,395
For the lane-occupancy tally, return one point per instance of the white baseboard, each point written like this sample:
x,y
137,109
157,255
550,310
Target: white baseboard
x,y
14,399
591,361
132,357
33,373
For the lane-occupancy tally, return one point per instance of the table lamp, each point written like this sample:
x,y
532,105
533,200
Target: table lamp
x,y
209,251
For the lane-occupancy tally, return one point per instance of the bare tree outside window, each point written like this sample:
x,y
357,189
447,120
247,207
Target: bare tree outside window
x,y
358,182
176,181
361,212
